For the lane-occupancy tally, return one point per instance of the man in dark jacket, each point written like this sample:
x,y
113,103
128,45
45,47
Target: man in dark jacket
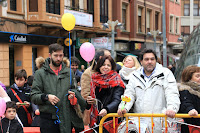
x,y
52,88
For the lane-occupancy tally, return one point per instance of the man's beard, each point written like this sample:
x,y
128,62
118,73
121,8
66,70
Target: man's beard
x,y
55,64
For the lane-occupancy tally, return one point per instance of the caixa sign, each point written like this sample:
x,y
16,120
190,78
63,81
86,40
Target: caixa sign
x,y
18,38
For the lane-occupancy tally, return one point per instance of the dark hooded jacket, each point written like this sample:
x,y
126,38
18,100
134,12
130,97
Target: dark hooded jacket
x,y
47,82
190,99
14,126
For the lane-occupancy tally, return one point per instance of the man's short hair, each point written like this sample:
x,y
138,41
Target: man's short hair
x,y
55,47
11,104
20,74
75,60
99,52
147,51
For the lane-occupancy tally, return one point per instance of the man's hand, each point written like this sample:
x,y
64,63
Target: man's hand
x,y
121,112
91,100
193,112
170,113
53,99
103,112
71,94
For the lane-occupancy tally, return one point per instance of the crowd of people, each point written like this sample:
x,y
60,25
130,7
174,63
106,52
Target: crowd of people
x,y
59,98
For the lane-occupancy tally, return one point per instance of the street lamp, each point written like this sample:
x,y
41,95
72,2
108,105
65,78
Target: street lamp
x,y
183,39
112,24
154,34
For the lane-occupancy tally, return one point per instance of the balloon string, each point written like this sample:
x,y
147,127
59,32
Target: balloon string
x,y
57,121
70,61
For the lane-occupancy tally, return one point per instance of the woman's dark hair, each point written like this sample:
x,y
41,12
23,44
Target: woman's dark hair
x,y
147,51
101,62
188,72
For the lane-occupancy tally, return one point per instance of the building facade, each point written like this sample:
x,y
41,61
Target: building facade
x,y
173,30
138,17
190,15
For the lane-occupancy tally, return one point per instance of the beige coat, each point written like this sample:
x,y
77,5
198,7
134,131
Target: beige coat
x,y
85,82
85,91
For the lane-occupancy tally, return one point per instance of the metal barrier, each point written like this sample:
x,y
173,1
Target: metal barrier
x,y
114,115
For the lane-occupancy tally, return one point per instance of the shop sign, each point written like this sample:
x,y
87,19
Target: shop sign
x,y
10,37
80,41
138,46
102,42
83,19
18,38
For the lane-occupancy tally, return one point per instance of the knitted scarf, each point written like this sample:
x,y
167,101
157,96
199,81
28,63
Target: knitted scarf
x,y
126,72
109,80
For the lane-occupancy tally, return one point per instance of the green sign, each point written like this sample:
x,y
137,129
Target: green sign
x,y
80,41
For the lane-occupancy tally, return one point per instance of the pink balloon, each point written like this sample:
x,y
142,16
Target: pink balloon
x,y
2,106
87,51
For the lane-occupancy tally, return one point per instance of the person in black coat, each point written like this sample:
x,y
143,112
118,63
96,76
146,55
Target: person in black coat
x,y
106,90
22,89
189,91
9,123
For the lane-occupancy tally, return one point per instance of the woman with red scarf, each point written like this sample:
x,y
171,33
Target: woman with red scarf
x,y
106,90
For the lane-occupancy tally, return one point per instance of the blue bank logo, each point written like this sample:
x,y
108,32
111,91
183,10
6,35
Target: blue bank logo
x,y
17,38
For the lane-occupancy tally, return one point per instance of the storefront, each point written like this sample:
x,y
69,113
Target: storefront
x,y
19,51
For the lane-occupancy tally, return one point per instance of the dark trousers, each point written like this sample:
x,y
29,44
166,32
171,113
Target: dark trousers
x,y
48,126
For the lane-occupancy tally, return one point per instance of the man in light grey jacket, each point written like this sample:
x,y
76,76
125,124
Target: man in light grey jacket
x,y
152,89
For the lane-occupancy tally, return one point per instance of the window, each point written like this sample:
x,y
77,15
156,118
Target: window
x,y
33,5
124,9
75,4
13,5
90,6
156,20
53,6
148,20
171,24
186,9
103,11
139,19
195,10
177,25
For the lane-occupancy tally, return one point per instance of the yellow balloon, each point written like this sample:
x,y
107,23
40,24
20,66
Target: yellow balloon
x,y
68,21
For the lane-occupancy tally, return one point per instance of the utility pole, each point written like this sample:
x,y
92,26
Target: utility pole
x,y
164,37
113,24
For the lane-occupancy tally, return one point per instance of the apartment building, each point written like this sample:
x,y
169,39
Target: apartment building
x,y
139,17
173,30
27,27
190,15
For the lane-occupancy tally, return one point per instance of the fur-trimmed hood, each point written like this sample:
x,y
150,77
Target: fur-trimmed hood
x,y
39,61
192,87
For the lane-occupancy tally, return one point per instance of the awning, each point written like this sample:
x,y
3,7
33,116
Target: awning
x,y
173,56
125,54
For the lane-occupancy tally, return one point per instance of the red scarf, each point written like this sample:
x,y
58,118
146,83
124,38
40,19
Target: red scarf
x,y
109,80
